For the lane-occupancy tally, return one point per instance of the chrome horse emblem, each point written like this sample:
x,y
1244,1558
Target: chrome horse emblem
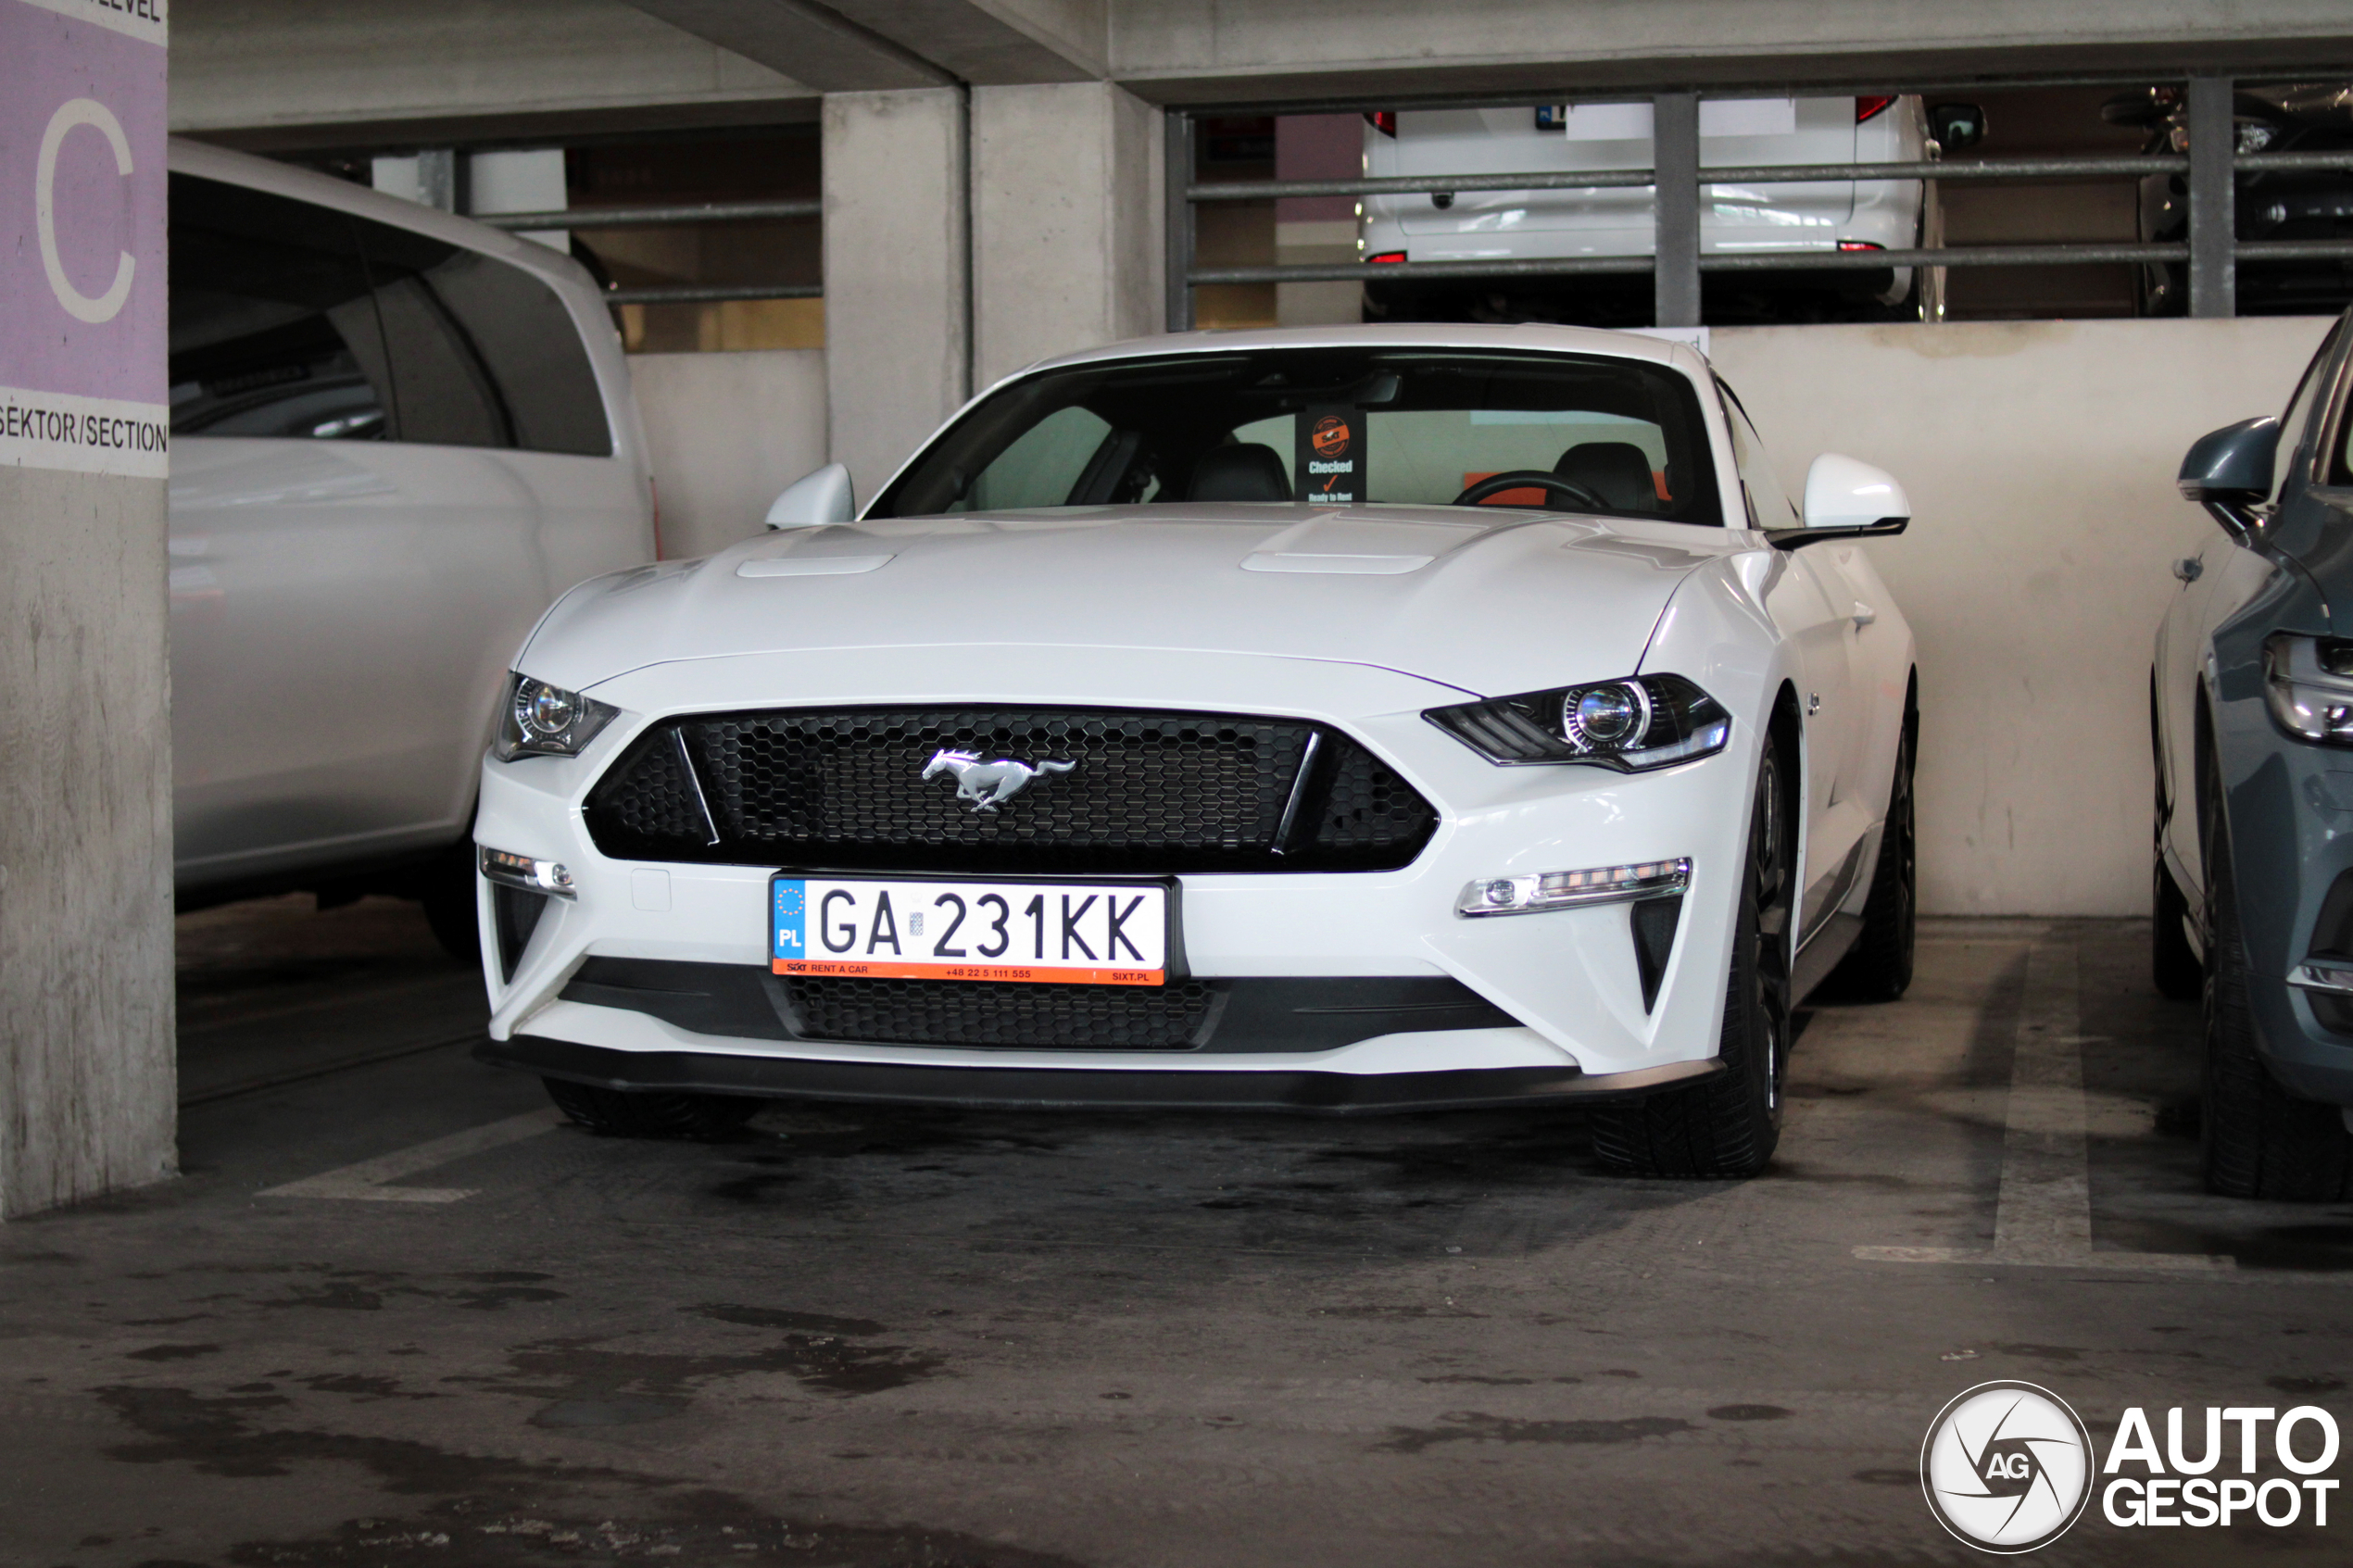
x,y
990,784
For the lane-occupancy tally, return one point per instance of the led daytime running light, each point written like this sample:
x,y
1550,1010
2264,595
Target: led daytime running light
x,y
510,870
1568,890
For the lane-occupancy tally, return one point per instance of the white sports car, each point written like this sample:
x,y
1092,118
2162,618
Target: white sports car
x,y
1335,720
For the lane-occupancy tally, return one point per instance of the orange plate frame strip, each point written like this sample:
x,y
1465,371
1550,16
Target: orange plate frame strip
x,y
1034,973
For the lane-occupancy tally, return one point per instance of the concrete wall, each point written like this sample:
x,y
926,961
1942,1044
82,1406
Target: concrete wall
x,y
2039,461
87,1070
1067,222
897,312
728,432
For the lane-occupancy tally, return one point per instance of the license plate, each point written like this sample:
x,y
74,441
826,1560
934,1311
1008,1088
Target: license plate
x,y
906,928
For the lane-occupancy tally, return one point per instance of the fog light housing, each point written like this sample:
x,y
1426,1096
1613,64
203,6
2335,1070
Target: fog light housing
x,y
1568,890
509,870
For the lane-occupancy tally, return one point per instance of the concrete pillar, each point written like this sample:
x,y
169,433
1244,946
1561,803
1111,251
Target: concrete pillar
x,y
1317,230
87,1081
1067,216
897,337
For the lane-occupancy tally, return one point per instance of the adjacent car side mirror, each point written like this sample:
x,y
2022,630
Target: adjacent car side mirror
x,y
815,500
1956,126
1846,500
2228,470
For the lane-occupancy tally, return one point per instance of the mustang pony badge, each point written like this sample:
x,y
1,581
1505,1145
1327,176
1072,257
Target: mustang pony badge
x,y
990,784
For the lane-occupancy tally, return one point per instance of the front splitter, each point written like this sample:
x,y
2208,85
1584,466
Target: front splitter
x,y
1300,1092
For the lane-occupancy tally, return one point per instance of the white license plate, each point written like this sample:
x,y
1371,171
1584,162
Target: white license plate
x,y
892,928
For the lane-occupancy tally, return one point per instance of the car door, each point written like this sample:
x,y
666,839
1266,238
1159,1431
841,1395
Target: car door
x,y
1816,604
362,536
289,527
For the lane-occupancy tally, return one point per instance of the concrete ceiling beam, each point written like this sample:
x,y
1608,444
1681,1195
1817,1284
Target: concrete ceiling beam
x,y
813,44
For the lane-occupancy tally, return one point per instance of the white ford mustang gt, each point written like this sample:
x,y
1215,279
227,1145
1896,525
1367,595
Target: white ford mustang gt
x,y
1333,720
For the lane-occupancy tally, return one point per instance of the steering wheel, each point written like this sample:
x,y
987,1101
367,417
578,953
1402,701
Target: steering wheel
x,y
1520,479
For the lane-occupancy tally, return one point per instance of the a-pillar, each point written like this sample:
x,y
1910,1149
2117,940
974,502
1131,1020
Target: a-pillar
x,y
1067,221
898,334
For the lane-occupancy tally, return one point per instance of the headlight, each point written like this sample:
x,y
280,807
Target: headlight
x,y
1639,722
2308,684
538,720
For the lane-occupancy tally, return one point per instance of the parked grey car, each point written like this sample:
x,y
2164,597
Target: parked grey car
x,y
2251,704
397,435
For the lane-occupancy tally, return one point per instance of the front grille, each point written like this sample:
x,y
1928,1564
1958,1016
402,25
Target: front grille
x,y
962,1013
844,790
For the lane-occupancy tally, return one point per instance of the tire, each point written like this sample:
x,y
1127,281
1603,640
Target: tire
x,y
447,889
625,1113
1729,1124
2256,1140
1879,967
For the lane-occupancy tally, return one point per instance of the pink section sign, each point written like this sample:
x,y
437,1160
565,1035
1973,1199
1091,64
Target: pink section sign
x,y
84,318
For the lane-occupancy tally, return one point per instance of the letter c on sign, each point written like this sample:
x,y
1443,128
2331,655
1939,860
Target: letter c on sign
x,y
73,112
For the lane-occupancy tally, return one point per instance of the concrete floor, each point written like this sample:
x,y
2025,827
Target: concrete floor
x,y
870,1337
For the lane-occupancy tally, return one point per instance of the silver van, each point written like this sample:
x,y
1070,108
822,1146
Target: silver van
x,y
398,436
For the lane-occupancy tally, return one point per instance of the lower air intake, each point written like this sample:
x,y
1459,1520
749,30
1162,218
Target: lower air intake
x,y
954,1012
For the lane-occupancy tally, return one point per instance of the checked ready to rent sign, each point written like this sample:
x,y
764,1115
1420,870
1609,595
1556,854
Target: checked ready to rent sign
x,y
82,317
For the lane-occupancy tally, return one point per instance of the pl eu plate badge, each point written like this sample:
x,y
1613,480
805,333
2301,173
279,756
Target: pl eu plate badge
x,y
790,917
1330,461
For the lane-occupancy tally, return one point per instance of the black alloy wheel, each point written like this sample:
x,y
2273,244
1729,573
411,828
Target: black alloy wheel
x,y
1727,1126
1879,967
627,1114
2256,1139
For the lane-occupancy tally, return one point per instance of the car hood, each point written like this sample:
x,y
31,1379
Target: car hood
x,y
1485,602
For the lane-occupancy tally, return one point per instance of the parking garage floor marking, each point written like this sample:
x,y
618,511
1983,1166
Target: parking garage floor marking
x,y
2044,1214
368,1180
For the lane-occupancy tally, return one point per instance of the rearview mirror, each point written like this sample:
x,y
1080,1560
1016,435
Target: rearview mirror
x,y
1956,126
815,500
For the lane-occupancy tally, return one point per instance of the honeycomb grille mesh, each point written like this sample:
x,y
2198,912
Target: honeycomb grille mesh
x,y
959,1012
845,790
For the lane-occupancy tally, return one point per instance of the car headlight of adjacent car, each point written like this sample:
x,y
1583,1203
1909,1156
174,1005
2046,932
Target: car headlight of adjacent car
x,y
538,720
2308,684
1638,723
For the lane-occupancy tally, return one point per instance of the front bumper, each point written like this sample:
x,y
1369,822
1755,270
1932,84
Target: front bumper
x,y
2291,818
1568,978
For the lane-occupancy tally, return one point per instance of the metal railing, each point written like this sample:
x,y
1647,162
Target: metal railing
x,y
673,216
1676,262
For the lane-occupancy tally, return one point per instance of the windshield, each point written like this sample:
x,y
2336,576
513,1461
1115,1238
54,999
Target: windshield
x,y
1339,426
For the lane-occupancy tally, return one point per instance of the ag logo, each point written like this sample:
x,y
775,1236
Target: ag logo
x,y
2007,1467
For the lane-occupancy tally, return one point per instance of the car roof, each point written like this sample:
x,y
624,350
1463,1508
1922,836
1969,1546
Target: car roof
x,y
208,162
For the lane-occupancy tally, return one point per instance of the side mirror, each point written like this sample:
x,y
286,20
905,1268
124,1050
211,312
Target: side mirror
x,y
2229,469
1956,126
815,500
1846,500
2232,465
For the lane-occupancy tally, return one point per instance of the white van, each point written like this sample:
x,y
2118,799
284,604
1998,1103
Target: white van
x,y
397,436
1524,225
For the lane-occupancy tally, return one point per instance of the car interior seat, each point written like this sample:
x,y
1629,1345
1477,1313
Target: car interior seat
x,y
1244,471
1617,471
